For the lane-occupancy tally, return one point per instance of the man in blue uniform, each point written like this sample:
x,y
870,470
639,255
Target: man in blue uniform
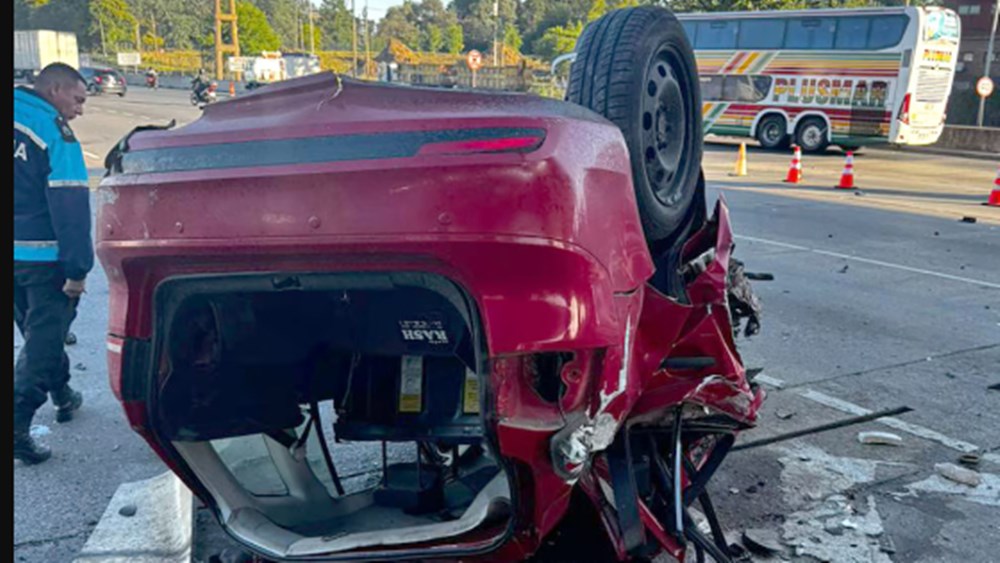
x,y
52,246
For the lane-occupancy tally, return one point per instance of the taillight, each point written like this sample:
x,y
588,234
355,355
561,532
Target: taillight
x,y
97,79
904,110
526,143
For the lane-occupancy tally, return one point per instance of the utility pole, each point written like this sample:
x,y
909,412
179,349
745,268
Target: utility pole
x,y
368,43
220,47
312,31
496,29
989,59
354,41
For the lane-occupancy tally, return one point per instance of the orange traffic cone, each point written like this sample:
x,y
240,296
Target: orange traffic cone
x,y
795,170
232,89
741,162
994,200
847,178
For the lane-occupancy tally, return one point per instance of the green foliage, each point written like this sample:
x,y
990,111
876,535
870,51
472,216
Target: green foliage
x,y
256,34
478,22
454,39
597,9
558,40
512,38
335,21
400,22
112,25
434,40
317,36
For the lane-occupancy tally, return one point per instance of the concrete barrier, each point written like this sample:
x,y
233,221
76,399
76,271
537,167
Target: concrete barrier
x,y
978,139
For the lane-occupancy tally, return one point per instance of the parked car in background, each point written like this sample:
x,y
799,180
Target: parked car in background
x,y
104,81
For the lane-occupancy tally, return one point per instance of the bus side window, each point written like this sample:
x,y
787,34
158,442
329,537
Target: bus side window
x,y
711,87
716,35
810,33
886,31
852,33
691,29
761,34
744,88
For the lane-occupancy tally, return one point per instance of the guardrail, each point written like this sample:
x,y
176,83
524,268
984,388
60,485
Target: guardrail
x,y
978,139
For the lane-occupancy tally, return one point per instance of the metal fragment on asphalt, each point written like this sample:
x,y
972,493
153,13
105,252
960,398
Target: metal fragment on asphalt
x,y
879,438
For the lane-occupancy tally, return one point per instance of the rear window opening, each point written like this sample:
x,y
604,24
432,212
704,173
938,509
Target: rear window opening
x,y
331,414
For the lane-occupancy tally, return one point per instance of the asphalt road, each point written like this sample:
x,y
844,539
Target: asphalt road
x,y
879,300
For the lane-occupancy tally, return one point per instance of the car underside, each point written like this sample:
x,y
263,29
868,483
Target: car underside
x,y
372,322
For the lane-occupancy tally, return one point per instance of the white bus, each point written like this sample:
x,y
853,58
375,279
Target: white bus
x,y
849,77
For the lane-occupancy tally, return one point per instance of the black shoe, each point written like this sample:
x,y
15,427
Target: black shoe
x,y
69,401
29,451
70,338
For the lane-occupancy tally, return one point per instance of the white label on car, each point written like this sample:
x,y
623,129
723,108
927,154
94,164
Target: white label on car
x,y
431,332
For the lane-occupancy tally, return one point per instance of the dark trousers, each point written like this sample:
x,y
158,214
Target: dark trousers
x,y
43,314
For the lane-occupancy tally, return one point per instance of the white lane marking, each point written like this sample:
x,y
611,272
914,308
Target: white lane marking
x,y
89,154
873,262
768,380
857,410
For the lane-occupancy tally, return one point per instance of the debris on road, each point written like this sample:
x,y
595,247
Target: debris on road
x,y
958,474
968,219
80,367
784,415
759,276
128,510
880,438
70,338
844,269
969,460
39,430
762,541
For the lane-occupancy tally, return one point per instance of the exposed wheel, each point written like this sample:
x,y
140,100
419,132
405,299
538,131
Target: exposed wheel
x,y
635,67
811,135
772,132
194,99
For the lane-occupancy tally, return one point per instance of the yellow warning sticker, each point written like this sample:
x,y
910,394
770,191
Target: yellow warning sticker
x,y
411,376
470,402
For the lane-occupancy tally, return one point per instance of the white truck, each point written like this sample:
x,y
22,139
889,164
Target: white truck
x,y
35,49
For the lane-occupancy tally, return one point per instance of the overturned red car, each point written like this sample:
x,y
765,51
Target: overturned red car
x,y
373,322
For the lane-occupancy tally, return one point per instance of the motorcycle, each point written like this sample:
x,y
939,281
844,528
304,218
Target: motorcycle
x,y
365,322
152,81
204,95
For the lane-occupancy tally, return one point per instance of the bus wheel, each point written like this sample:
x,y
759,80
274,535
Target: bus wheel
x,y
635,67
772,132
811,135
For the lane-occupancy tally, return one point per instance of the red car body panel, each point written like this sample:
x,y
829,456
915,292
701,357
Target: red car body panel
x,y
535,219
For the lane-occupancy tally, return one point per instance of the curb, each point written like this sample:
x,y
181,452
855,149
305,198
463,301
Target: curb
x,y
939,151
160,531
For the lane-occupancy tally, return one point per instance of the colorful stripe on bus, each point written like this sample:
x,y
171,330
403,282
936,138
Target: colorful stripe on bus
x,y
846,79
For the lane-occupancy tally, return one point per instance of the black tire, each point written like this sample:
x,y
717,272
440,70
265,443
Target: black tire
x,y
772,132
635,67
812,135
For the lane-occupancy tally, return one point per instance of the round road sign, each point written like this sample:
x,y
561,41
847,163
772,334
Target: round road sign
x,y
474,59
984,87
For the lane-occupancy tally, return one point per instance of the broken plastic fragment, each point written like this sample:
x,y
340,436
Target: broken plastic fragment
x,y
880,438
